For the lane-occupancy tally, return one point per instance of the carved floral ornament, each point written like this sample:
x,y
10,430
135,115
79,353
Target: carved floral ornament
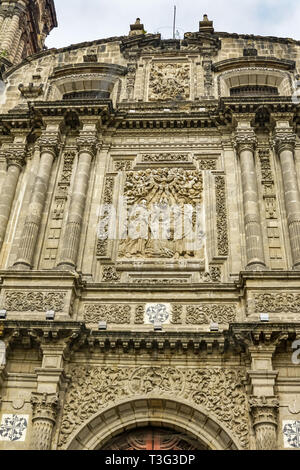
x,y
200,314
32,301
220,392
282,302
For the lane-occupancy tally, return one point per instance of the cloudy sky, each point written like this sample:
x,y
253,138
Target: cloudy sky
x,y
86,20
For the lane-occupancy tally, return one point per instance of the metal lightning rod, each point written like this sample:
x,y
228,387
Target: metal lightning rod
x,y
174,22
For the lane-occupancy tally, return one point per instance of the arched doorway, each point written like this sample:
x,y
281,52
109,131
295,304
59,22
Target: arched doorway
x,y
194,424
152,438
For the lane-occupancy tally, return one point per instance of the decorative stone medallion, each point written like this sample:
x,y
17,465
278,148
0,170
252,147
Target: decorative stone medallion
x,y
291,434
157,313
13,427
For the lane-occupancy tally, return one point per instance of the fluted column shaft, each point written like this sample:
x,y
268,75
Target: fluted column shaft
x,y
43,420
264,411
71,240
7,194
37,202
10,33
285,143
245,142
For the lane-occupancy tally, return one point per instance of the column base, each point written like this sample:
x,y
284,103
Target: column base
x,y
66,267
19,266
256,267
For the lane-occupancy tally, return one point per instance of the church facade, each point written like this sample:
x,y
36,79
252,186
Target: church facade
x,y
149,239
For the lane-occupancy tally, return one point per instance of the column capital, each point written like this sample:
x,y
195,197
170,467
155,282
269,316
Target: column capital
x,y
16,157
264,409
44,406
49,143
87,142
284,138
245,139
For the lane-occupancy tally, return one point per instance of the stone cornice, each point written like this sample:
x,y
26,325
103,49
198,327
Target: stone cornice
x,y
239,336
79,68
148,116
257,61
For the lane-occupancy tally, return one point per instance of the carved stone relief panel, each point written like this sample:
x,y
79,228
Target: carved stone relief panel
x,y
277,304
34,301
221,209
164,157
169,81
111,313
103,242
177,314
281,302
159,201
219,391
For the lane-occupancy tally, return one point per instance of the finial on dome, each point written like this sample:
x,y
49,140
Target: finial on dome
x,y
137,28
206,26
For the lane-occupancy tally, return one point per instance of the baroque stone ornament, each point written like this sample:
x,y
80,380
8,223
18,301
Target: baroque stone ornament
x,y
177,311
222,226
111,313
214,275
160,223
206,313
207,164
32,301
277,303
264,412
165,157
110,274
45,407
219,391
124,165
169,82
139,314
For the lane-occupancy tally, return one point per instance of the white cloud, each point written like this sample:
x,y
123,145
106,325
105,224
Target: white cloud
x,y
86,20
